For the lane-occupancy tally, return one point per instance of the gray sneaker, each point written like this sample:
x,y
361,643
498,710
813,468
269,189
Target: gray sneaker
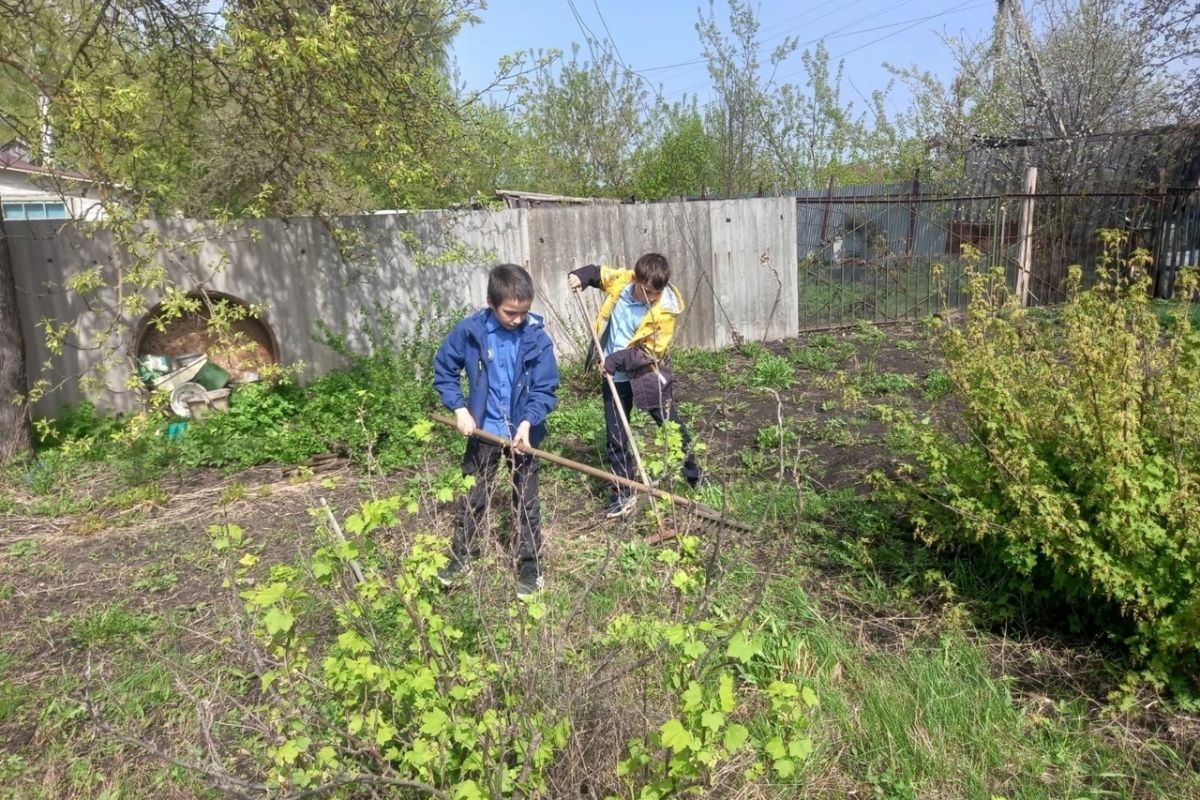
x,y
454,573
529,579
621,506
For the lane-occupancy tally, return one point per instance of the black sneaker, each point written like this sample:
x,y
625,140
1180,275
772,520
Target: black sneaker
x,y
453,573
529,579
621,505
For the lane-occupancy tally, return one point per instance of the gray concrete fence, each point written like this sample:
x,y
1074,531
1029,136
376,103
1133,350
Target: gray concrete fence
x,y
733,260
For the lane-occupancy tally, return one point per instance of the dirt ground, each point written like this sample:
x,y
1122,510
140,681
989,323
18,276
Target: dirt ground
x,y
67,579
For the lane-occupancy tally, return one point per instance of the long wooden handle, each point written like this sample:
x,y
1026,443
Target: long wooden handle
x,y
612,387
700,509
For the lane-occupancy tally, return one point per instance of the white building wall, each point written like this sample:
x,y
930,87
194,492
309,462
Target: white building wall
x,y
16,187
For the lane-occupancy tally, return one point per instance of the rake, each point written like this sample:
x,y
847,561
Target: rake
x,y
699,509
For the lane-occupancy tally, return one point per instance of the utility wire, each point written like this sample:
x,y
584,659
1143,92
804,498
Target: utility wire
x,y
842,32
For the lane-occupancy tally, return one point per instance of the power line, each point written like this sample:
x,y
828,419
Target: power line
x,y
967,6
772,43
611,38
836,33
765,47
908,24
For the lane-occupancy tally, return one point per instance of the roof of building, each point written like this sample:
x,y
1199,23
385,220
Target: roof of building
x,y
15,158
518,199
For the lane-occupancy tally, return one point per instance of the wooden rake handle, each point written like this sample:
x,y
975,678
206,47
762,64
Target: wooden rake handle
x,y
699,509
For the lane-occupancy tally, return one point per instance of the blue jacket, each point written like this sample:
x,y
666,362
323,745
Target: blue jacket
x,y
534,385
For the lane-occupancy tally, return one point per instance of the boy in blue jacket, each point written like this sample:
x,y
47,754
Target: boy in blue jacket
x,y
512,377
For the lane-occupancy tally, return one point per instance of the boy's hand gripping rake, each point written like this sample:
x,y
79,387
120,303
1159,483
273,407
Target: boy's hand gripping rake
x,y
699,509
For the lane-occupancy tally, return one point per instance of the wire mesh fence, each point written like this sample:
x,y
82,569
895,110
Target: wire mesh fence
x,y
886,253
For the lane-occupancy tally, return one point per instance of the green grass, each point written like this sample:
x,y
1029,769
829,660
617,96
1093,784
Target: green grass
x,y
815,358
690,360
921,714
936,385
771,438
581,419
828,293
835,431
112,624
25,548
829,303
1167,310
885,383
13,699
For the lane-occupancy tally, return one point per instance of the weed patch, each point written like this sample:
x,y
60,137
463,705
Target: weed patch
x,y
109,625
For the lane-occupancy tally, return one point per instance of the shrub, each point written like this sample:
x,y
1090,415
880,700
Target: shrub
x,y
368,406
258,428
75,422
1078,462
368,678
771,372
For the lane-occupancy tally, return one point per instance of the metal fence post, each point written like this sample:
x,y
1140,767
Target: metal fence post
x,y
912,214
825,216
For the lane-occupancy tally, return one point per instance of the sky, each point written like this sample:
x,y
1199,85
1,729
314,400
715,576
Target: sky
x,y
657,38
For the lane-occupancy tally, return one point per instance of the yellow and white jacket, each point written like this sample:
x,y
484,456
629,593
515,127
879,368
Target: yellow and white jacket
x,y
645,359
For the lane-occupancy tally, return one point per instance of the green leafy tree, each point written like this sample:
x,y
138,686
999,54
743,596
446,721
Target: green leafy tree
x,y
231,110
579,122
680,158
735,118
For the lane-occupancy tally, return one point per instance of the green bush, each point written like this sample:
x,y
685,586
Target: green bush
x,y
370,405
357,410
258,428
1078,462
75,422
367,669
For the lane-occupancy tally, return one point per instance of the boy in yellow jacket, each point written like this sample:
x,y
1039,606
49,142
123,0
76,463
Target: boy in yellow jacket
x,y
635,324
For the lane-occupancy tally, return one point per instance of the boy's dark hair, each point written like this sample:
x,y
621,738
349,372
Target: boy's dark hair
x,y
508,282
654,270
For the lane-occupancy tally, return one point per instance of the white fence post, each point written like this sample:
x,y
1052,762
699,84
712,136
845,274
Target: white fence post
x,y
1025,237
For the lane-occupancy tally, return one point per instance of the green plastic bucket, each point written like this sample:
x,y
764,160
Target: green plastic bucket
x,y
212,377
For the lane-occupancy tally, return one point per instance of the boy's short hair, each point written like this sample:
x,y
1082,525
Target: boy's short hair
x,y
508,282
652,269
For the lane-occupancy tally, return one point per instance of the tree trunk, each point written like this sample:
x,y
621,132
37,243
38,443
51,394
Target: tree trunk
x,y
15,437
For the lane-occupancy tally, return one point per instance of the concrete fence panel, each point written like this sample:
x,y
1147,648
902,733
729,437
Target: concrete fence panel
x,y
734,261
755,293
